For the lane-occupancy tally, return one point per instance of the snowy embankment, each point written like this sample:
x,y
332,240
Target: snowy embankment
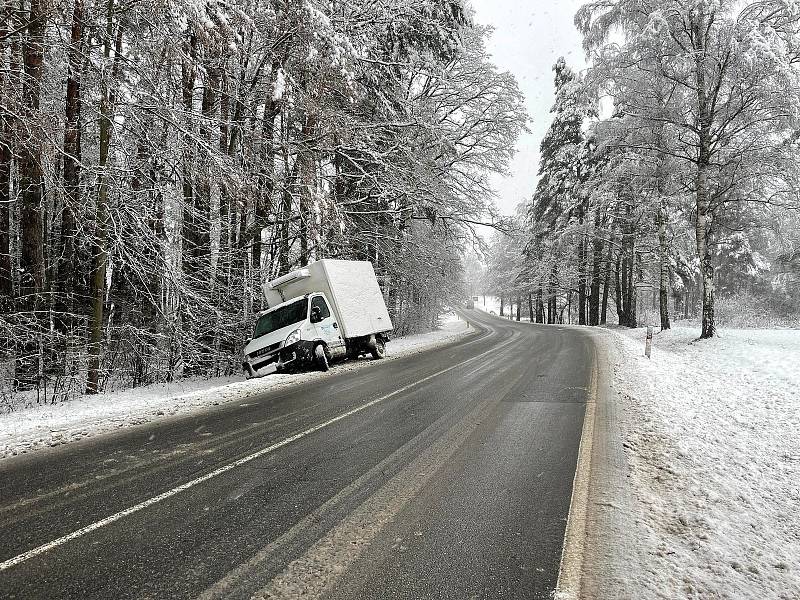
x,y
711,438
35,427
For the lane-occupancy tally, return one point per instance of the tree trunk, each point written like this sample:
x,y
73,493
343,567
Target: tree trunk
x,y
306,173
30,188
30,161
501,305
619,292
582,282
209,106
531,315
630,291
65,263
686,298
551,299
594,288
625,290
703,214
6,139
539,305
144,183
663,292
706,266
6,276
100,250
285,215
519,304
263,206
225,231
569,307
190,228
606,285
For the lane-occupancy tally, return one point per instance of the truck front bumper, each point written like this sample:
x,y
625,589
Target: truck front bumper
x,y
301,352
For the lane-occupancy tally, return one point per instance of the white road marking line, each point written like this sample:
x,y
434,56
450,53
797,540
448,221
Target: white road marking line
x,y
224,469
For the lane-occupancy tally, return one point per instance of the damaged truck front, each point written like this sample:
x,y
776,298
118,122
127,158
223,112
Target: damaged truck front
x,y
327,310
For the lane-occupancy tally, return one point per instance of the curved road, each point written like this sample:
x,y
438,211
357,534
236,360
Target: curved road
x,y
446,474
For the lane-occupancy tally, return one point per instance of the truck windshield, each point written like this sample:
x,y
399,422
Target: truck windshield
x,y
282,317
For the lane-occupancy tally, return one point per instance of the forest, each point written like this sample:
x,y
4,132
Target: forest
x,y
669,178
159,160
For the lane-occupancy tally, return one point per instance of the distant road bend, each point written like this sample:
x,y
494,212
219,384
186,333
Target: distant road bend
x,y
446,474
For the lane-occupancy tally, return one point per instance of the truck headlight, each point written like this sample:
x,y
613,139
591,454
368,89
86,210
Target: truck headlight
x,y
292,338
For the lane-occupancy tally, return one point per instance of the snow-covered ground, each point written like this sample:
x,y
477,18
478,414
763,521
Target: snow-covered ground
x,y
711,438
39,426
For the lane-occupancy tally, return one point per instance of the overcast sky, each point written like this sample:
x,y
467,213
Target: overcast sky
x,y
529,37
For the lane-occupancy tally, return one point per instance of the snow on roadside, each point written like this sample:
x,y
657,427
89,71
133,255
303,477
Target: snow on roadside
x,y
450,324
711,435
39,426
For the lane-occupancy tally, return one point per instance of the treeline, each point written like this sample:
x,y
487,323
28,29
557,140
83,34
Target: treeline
x,y
669,174
160,161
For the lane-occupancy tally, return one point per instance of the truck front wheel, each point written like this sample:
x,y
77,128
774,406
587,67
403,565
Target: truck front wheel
x,y
321,357
379,350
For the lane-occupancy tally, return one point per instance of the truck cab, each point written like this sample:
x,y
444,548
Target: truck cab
x,y
288,333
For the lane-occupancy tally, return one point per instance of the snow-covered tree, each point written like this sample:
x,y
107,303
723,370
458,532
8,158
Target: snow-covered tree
x,y
730,70
558,214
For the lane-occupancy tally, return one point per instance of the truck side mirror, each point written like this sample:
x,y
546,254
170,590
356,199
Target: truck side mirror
x,y
316,315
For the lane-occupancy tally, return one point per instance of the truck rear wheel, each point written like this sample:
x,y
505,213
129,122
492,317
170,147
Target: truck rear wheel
x,y
379,350
321,357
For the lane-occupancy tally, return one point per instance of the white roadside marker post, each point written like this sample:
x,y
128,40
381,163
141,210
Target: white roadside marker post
x,y
649,341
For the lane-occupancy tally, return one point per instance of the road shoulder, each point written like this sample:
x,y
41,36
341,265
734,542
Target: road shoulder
x,y
609,530
588,568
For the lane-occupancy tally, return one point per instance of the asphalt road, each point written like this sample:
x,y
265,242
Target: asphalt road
x,y
446,474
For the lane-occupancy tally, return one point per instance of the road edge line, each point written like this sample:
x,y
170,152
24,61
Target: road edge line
x,y
568,585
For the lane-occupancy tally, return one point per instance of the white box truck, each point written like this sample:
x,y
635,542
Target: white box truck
x,y
326,310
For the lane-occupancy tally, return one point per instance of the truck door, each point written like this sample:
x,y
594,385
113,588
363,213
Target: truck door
x,y
327,327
